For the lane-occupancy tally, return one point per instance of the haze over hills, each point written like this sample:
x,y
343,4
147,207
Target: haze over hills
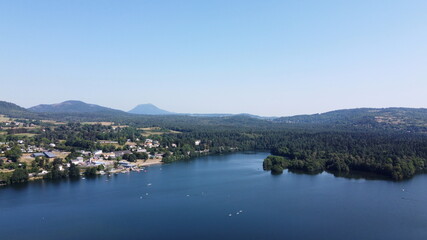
x,y
74,106
150,109
408,119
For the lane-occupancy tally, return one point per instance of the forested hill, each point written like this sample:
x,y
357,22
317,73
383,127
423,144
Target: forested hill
x,y
11,109
176,122
409,119
73,106
363,119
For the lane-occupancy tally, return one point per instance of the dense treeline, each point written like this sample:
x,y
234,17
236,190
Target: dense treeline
x,y
393,154
391,142
397,156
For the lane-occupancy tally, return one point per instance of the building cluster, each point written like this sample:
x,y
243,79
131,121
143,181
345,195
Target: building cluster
x,y
11,124
44,154
99,157
149,143
111,161
6,146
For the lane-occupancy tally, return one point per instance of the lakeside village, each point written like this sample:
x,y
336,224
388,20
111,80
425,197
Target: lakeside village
x,y
28,156
140,154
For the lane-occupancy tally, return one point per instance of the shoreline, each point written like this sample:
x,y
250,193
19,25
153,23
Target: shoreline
x,y
140,165
148,162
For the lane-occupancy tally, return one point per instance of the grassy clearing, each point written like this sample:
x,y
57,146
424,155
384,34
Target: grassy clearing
x,y
53,122
149,128
4,118
120,126
3,133
155,131
25,134
26,158
61,154
130,143
102,123
116,145
146,134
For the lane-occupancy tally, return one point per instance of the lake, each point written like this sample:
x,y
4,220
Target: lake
x,y
215,197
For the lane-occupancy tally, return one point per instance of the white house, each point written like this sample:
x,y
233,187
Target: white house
x,y
77,161
97,152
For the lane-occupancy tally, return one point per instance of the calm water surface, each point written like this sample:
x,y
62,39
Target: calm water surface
x,y
193,200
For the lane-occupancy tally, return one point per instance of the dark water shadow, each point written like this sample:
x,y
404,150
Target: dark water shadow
x,y
353,175
360,175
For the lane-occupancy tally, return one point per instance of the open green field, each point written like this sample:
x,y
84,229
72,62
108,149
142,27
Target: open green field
x,y
53,122
155,131
108,144
25,134
102,123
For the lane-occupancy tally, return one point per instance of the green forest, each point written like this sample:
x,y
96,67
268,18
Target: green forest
x,y
388,142
396,156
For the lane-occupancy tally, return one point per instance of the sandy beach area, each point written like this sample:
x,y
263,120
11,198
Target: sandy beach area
x,y
148,162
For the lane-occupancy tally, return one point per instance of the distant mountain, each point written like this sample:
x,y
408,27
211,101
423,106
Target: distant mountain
x,y
404,119
149,109
73,106
11,109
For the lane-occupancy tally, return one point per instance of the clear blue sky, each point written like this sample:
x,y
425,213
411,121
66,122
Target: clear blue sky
x,y
262,57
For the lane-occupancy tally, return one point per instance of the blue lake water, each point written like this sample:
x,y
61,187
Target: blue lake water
x,y
194,200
